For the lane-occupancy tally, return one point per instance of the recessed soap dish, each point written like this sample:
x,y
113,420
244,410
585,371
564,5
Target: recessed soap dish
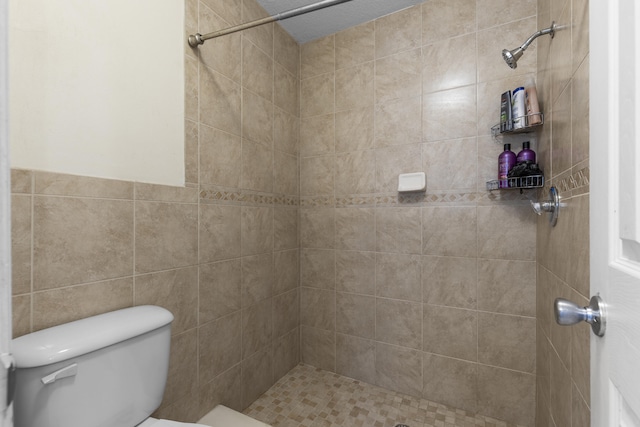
x,y
412,182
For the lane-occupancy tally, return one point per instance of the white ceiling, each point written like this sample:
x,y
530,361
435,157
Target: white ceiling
x,y
330,20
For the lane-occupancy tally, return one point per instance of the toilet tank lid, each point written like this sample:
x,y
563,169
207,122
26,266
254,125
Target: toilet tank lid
x,y
83,336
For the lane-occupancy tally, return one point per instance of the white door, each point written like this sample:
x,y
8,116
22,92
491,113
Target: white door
x,y
615,209
5,227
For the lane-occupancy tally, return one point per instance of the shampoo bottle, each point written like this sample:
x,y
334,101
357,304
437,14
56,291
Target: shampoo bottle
x,y
506,161
532,106
526,155
518,110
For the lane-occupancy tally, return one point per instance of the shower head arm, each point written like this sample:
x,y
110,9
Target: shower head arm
x,y
551,30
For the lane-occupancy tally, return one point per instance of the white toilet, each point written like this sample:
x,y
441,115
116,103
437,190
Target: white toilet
x,y
108,370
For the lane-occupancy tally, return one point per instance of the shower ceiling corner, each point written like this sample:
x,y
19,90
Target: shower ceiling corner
x,y
327,21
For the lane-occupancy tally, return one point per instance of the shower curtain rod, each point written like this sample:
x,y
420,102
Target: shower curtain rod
x,y
198,39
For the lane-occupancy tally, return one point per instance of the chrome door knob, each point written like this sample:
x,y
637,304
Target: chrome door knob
x,y
569,313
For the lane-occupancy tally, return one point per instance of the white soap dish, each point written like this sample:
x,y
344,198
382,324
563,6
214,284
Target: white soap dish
x,y
412,182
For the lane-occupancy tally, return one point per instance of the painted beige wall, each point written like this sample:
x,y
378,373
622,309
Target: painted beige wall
x,y
97,88
563,392
221,253
431,295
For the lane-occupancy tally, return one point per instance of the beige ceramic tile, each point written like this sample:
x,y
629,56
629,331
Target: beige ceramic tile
x,y
58,306
317,95
96,234
355,229
318,308
354,87
398,76
449,231
286,50
398,276
355,172
257,230
166,236
191,88
191,149
225,389
451,332
285,228
492,12
497,221
354,130
20,244
561,129
450,381
220,100
21,315
505,394
560,397
222,54
399,323
507,341
182,378
317,57
392,161
580,412
229,10
398,230
81,186
21,181
286,271
286,313
317,175
355,272
262,35
257,167
165,193
219,232
286,87
355,315
257,119
317,228
213,357
191,23
219,290
398,32
399,369
398,122
492,41
507,287
220,157
580,114
449,281
257,327
449,114
286,353
449,63
257,278
442,19
355,358
560,53
450,165
581,360
285,131
355,45
257,71
175,290
318,348
317,135
579,32
317,268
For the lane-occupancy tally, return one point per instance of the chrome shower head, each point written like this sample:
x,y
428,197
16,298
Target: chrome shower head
x,y
511,56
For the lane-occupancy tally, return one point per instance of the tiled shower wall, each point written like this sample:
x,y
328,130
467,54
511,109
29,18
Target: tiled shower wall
x,y
433,294
220,253
563,391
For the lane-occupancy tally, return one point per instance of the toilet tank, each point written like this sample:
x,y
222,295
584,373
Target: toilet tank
x,y
108,370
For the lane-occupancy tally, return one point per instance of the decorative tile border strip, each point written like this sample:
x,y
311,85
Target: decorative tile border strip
x,y
411,199
212,194
571,183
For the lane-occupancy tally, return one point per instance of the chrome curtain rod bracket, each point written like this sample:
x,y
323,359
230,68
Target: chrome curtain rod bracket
x,y
197,39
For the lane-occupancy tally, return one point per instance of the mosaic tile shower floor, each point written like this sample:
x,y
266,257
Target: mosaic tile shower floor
x,y
311,397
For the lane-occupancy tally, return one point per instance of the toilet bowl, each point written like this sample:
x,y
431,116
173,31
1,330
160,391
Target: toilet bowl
x,y
103,371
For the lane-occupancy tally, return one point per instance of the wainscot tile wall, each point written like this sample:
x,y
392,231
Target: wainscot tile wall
x,y
432,294
563,392
220,253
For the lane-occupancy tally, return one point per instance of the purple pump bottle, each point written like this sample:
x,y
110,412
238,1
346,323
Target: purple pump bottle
x,y
526,155
506,161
